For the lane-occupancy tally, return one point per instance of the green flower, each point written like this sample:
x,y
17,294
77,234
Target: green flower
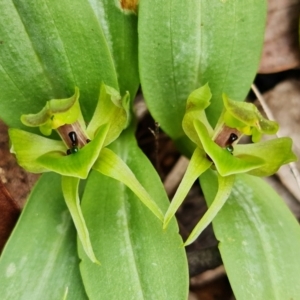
x,y
237,119
80,149
247,119
38,154
218,148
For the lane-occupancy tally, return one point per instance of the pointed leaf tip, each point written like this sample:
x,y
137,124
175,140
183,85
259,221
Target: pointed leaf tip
x,y
197,165
70,192
224,191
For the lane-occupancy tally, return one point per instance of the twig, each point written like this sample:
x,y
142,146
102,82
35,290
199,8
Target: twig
x,y
269,114
174,177
207,277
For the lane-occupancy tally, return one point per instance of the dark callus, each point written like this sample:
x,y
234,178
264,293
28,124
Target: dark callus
x,y
232,138
74,141
229,148
73,138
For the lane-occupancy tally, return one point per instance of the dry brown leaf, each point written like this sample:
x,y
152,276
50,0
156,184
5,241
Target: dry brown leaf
x,y
281,47
9,213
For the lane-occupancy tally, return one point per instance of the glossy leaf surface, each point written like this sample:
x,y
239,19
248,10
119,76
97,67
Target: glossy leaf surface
x,y
47,48
259,240
120,30
40,259
185,44
139,260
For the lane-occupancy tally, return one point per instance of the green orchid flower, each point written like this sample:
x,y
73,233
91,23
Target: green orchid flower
x,y
80,149
218,148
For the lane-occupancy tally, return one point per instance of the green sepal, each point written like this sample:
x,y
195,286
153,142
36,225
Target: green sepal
x,y
275,153
55,113
224,161
224,191
111,109
28,147
247,119
198,164
70,192
77,164
197,102
113,166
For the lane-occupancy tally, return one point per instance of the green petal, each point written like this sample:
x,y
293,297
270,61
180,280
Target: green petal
x,y
70,192
275,153
224,161
242,115
111,109
113,166
224,190
197,102
56,113
198,164
28,147
77,164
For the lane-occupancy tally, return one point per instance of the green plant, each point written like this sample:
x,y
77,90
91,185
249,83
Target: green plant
x,y
219,43
113,194
47,50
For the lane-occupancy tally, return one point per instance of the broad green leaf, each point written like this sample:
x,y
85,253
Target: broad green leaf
x,y
259,240
197,165
113,166
120,30
185,44
47,48
40,259
70,187
225,185
139,260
